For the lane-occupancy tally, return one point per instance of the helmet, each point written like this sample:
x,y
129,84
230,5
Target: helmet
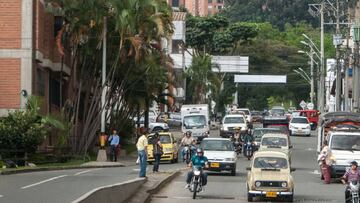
x,y
237,129
188,133
199,151
354,163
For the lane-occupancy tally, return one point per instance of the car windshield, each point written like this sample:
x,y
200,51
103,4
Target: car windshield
x,y
345,142
299,120
239,119
164,139
270,162
274,141
258,133
217,145
277,112
195,121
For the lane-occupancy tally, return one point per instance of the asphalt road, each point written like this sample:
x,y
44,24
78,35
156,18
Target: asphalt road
x,y
226,188
65,186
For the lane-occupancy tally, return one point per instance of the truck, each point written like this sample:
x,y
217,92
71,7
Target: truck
x,y
195,118
342,132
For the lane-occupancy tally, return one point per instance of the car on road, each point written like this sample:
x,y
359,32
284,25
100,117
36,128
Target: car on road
x,y
300,125
256,116
169,144
220,153
276,142
230,122
269,176
257,133
247,113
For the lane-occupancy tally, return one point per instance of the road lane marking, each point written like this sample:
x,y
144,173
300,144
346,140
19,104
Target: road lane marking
x,y
44,181
82,172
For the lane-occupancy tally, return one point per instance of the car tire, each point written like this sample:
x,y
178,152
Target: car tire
x,y
249,197
290,198
233,172
308,135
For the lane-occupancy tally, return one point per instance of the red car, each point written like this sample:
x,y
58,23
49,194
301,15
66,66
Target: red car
x,y
312,116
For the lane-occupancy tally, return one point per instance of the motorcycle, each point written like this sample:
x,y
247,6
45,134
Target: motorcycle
x,y
354,191
237,145
188,154
196,181
248,150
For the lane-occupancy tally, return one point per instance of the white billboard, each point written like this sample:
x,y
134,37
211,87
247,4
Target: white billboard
x,y
260,79
230,64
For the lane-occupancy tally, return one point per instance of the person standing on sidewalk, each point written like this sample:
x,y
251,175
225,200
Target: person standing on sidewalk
x,y
325,162
157,152
141,146
114,140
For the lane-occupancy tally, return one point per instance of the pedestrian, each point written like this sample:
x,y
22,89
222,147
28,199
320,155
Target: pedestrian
x,y
325,162
114,141
157,152
141,146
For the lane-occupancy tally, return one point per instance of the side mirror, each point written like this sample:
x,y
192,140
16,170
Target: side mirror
x,y
292,169
248,168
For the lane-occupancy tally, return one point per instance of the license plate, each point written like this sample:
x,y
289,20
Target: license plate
x,y
271,194
214,165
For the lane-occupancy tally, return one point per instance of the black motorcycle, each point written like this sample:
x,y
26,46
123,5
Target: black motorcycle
x,y
196,181
237,144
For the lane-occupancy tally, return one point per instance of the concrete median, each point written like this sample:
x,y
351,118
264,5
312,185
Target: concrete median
x,y
115,193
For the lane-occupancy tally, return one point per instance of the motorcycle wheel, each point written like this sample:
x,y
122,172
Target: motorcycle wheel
x,y
195,190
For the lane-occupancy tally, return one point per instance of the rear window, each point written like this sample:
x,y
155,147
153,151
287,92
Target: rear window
x,y
274,141
239,119
299,120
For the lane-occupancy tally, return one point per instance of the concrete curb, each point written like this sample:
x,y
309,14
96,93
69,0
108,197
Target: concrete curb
x,y
29,170
160,185
114,193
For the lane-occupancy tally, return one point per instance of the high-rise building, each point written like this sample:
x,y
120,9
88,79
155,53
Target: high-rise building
x,y
199,7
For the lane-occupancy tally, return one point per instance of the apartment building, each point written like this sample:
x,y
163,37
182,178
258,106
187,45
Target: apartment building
x,y
199,7
30,63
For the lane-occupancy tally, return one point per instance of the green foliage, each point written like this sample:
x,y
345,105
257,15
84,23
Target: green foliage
x,y
23,131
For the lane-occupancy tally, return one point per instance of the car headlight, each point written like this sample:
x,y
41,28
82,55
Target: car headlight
x,y
284,184
257,183
221,128
308,127
230,159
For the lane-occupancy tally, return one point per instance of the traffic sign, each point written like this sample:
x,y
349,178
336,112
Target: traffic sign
x,y
310,106
303,104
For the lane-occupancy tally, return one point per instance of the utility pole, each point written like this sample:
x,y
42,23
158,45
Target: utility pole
x,y
321,94
103,78
337,43
356,68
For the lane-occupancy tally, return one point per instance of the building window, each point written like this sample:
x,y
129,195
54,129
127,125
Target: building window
x,y
209,1
54,92
40,82
220,1
175,3
176,46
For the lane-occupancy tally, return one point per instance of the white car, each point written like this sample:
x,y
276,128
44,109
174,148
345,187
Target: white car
x,y
230,122
220,153
247,113
276,142
300,126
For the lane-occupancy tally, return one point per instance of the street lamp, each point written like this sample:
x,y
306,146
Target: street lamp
x,y
356,39
311,56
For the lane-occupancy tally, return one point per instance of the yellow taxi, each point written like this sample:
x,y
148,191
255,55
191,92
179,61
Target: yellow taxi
x,y
169,144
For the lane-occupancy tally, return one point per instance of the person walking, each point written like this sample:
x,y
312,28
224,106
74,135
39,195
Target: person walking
x,y
157,152
114,141
141,146
325,162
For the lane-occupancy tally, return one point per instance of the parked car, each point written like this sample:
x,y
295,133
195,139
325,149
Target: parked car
x,y
269,176
155,126
300,126
220,153
276,142
170,147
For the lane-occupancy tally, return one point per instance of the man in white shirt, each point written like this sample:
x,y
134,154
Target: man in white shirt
x,y
141,146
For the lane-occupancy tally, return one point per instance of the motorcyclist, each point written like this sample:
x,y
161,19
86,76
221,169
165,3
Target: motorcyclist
x,y
237,134
353,174
187,140
198,161
245,139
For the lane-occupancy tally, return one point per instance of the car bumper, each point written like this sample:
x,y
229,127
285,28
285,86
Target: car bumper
x,y
300,132
263,193
164,157
223,166
337,170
